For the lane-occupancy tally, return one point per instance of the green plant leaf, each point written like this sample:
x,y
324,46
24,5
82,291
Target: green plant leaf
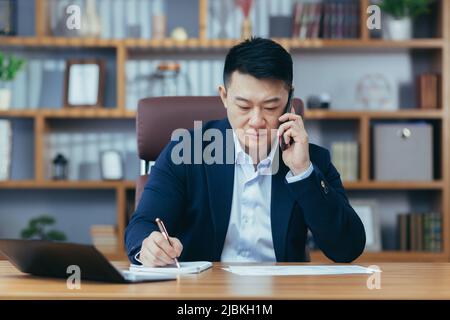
x,y
405,8
9,67
45,220
2,59
36,228
27,233
56,235
34,223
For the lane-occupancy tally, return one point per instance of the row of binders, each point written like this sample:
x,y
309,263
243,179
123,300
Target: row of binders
x,y
328,20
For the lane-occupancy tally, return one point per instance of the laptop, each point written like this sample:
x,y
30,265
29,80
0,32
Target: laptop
x,y
52,259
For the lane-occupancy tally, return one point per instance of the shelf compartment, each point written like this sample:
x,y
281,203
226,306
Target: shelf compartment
x,y
83,140
41,83
74,211
23,146
389,204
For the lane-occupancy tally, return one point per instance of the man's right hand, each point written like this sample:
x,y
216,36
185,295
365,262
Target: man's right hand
x,y
157,252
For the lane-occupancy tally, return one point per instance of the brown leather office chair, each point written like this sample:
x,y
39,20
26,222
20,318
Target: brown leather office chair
x,y
158,117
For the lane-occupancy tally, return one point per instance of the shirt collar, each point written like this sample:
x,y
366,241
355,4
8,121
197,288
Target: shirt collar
x,y
241,157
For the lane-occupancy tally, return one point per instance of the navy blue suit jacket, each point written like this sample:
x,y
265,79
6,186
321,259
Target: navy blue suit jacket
x,y
194,201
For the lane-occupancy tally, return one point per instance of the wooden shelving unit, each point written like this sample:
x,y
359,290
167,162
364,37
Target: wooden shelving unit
x,y
123,47
55,42
46,184
93,184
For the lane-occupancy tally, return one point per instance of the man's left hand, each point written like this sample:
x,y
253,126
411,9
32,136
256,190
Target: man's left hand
x,y
296,156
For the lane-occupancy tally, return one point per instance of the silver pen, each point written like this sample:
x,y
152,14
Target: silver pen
x,y
163,230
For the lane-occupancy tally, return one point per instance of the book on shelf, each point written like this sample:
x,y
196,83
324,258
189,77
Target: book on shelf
x,y
296,19
5,149
328,20
419,231
104,9
34,78
20,89
344,156
427,91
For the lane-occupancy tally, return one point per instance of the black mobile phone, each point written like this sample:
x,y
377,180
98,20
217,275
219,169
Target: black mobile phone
x,y
287,109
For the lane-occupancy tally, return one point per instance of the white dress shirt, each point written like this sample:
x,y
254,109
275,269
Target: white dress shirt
x,y
249,235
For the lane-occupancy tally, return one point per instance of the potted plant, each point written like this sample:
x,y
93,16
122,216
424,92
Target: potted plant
x,y
9,67
397,25
37,229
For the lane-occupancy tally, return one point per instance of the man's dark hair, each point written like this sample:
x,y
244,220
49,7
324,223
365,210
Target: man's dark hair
x,y
260,58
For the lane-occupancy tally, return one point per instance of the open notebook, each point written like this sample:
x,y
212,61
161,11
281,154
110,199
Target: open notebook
x,y
186,267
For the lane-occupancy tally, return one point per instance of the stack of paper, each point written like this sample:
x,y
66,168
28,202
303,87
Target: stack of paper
x,y
185,268
297,270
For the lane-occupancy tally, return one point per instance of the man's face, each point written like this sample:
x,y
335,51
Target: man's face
x,y
253,108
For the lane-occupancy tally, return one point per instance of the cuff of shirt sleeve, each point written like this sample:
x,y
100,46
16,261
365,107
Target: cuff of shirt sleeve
x,y
136,257
290,178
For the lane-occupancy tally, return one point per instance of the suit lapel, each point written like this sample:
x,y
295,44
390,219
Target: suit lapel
x,y
280,209
220,179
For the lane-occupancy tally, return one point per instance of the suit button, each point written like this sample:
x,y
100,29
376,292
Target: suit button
x,y
324,186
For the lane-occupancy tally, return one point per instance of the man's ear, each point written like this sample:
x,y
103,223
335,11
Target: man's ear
x,y
223,95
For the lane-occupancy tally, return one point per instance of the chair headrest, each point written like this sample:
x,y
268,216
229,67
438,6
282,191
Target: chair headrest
x,y
158,117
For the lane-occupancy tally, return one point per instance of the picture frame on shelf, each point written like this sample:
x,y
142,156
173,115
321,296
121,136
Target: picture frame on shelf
x,y
84,83
367,211
111,165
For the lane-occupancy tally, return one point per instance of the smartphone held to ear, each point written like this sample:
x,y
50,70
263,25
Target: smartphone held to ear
x,y
283,144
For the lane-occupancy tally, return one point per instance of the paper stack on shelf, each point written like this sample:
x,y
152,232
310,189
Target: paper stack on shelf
x,y
104,238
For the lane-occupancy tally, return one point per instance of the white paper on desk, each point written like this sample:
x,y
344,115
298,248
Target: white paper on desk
x,y
297,270
185,268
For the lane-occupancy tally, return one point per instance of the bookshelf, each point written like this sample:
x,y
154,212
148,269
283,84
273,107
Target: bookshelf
x,y
124,49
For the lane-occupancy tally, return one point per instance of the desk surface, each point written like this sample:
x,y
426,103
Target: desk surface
x,y
398,281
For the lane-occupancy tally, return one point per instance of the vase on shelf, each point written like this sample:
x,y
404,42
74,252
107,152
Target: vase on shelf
x,y
220,10
169,80
397,28
5,97
92,24
246,28
159,20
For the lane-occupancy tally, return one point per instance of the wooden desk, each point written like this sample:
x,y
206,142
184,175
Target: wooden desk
x,y
398,281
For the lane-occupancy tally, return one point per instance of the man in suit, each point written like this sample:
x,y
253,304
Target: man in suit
x,y
260,205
